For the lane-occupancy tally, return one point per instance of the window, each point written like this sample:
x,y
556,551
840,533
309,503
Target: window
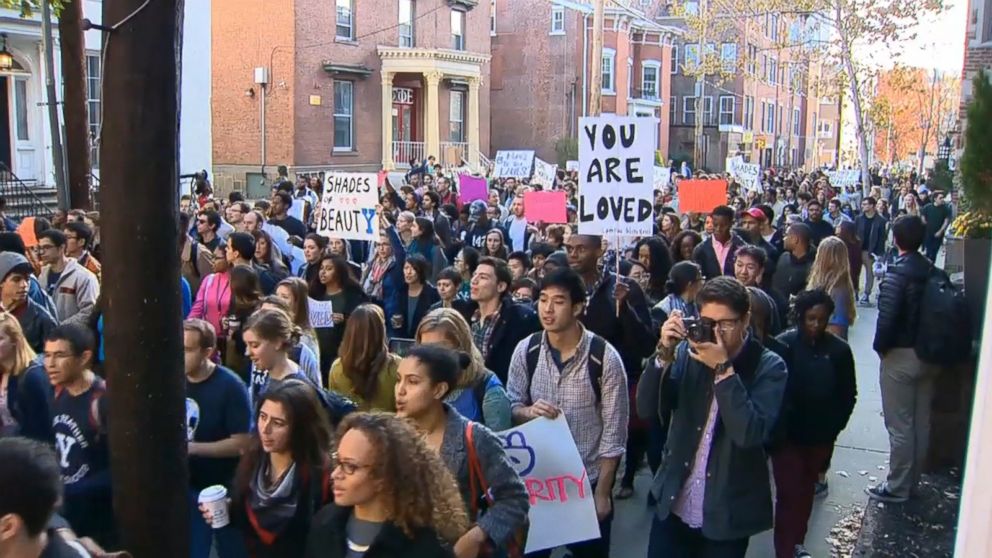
x,y
769,114
557,20
748,113
630,78
456,117
691,56
825,129
772,70
492,17
609,56
689,110
728,106
815,122
649,80
673,106
675,59
345,20
20,108
406,23
795,122
752,59
94,77
780,119
343,111
707,110
457,30
763,108
728,57
691,7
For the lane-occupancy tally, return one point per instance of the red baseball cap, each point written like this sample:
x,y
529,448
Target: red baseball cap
x,y
757,214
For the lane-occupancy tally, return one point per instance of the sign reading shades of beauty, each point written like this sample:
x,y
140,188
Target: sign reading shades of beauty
x,y
347,208
562,508
747,174
544,173
616,182
513,164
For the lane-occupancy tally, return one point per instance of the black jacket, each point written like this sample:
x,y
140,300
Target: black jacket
x,y
705,256
464,307
819,230
874,232
820,391
329,338
36,323
631,334
791,273
428,296
899,298
329,539
514,324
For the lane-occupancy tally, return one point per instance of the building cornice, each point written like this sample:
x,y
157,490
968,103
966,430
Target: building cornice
x,y
435,54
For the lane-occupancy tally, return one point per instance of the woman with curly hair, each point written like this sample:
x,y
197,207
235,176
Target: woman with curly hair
x,y
684,244
393,497
426,376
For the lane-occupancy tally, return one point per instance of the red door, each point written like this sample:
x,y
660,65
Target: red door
x,y
405,126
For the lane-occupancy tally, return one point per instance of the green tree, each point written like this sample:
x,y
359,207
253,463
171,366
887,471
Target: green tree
x,y
976,162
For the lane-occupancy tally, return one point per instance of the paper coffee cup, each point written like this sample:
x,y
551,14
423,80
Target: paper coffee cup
x,y
214,499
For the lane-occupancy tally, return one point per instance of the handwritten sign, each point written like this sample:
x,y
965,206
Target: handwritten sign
x,y
662,177
701,196
844,178
471,188
548,207
616,186
321,313
572,166
747,174
544,174
513,164
562,509
347,208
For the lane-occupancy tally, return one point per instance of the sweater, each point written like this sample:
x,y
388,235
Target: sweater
x,y
385,392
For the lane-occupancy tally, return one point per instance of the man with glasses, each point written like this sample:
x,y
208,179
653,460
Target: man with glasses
x,y
749,270
77,243
73,288
207,227
712,492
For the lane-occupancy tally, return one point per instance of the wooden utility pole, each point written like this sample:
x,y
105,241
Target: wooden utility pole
x,y
141,299
74,108
596,74
52,102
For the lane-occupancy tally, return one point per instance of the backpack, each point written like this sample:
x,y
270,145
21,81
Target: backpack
x,y
479,392
944,334
597,352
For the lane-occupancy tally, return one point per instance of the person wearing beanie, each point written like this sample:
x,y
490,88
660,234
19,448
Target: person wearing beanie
x,y
34,319
12,242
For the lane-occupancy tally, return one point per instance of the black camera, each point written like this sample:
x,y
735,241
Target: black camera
x,y
699,330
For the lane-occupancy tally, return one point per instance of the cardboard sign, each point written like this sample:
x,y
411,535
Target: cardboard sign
x,y
321,313
544,174
547,207
701,196
26,230
616,182
662,177
562,508
513,164
747,174
471,188
347,208
572,166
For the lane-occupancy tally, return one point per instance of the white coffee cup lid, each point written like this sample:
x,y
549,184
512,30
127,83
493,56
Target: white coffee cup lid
x,y
212,493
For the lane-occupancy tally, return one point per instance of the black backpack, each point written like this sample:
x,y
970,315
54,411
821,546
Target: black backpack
x,y
944,335
597,352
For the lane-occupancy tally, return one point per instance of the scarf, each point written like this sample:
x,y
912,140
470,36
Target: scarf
x,y
378,271
271,509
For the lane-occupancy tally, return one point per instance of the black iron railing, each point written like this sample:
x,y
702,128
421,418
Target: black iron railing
x,y
22,200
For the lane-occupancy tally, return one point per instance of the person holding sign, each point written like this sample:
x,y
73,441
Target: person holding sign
x,y
335,284
426,377
567,369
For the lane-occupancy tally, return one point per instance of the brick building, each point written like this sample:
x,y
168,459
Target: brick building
x,y
541,70
977,54
347,84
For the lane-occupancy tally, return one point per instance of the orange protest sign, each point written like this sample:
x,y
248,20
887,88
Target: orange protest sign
x,y
26,230
701,196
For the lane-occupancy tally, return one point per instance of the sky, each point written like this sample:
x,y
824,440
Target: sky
x,y
940,41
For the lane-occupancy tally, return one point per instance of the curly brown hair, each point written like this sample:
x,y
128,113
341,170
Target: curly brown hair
x,y
420,492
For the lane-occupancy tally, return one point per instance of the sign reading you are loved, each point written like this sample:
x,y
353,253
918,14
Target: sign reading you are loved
x,y
347,208
616,175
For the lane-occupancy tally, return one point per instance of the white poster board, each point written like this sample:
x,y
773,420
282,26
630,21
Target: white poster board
x,y
321,313
562,507
296,210
571,166
544,174
347,208
279,237
513,164
844,178
662,177
616,182
747,174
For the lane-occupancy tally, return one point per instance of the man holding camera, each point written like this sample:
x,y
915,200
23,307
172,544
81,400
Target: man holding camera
x,y
724,391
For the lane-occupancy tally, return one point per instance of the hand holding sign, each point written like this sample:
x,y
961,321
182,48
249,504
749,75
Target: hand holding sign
x,y
347,208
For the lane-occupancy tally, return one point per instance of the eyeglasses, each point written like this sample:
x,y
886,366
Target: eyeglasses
x,y
723,326
347,467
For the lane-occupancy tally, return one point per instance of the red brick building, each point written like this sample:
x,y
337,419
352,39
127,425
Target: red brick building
x,y
977,54
541,70
346,84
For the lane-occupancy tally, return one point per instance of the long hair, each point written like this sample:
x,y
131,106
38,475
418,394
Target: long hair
x,y
661,263
676,246
310,439
501,252
342,274
831,270
455,329
364,349
273,256
418,489
23,353
427,237
245,289
300,307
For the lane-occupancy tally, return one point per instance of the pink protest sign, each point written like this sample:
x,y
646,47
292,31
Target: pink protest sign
x,y
471,188
548,207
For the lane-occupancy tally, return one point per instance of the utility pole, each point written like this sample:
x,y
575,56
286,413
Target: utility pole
x,y
147,417
596,73
75,111
698,157
54,125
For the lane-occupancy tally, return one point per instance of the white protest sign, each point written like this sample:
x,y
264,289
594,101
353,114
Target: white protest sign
x,y
296,210
616,183
513,164
662,177
279,237
297,261
571,166
844,178
347,208
321,313
562,508
747,174
544,174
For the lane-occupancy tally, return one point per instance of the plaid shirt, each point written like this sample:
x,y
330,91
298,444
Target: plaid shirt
x,y
482,330
600,431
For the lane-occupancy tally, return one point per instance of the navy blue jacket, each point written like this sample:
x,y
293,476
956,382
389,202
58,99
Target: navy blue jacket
x,y
29,398
515,323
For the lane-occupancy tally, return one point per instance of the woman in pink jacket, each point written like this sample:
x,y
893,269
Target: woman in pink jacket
x,y
213,300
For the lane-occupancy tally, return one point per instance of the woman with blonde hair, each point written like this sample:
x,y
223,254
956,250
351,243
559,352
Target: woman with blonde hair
x,y
365,370
27,393
391,493
479,395
294,291
831,272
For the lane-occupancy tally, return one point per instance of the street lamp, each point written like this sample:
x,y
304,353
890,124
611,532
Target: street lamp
x,y
944,151
6,58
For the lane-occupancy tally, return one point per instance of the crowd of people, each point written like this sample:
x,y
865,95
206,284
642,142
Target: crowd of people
x,y
720,350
